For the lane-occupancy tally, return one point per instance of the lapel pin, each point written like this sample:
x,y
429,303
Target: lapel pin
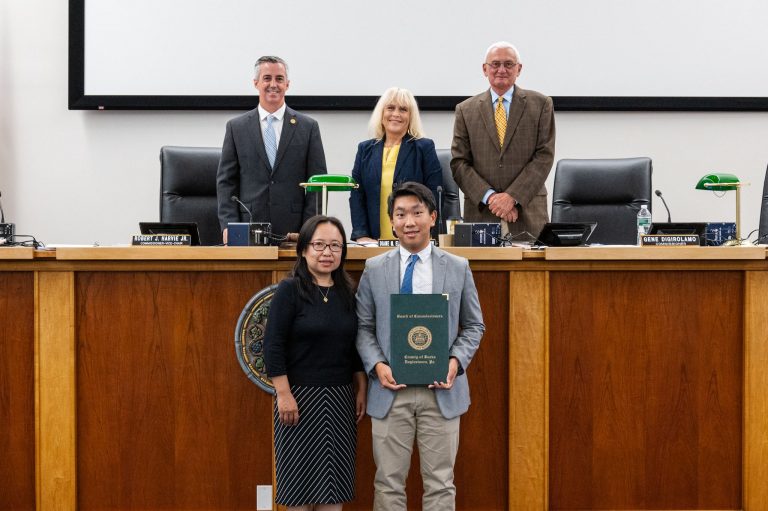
x,y
293,121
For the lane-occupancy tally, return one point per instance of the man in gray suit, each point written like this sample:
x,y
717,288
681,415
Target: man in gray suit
x,y
503,148
266,153
430,414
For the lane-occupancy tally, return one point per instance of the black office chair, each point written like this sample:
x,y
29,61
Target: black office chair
x,y
451,203
762,235
609,192
188,189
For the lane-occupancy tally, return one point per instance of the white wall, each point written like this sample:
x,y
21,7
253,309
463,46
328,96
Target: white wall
x,y
85,177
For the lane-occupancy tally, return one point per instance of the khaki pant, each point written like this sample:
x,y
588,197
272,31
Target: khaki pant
x,y
415,414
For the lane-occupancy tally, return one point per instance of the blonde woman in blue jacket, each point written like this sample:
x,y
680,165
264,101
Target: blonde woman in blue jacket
x,y
398,152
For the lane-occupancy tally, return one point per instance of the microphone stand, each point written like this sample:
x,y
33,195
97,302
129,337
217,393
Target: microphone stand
x,y
669,215
440,226
236,199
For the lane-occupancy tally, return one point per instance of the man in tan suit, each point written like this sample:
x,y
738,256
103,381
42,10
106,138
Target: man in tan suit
x,y
503,148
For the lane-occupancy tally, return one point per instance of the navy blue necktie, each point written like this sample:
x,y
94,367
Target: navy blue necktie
x,y
406,288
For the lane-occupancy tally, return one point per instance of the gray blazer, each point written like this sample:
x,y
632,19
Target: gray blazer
x,y
519,169
272,195
381,278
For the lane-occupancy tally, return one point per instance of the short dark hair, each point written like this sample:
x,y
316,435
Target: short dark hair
x,y
414,189
271,60
341,279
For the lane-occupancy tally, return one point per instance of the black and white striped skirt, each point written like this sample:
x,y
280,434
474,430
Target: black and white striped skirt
x,y
315,460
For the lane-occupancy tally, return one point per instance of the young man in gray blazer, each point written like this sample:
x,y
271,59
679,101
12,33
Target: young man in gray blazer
x,y
399,413
502,152
266,153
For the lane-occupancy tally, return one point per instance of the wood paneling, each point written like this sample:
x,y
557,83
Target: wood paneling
x,y
55,397
17,391
646,390
756,395
481,468
528,395
166,418
481,465
656,371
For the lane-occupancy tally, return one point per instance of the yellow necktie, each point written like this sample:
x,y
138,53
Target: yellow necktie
x,y
501,120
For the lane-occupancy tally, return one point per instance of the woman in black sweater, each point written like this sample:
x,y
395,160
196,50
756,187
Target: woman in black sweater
x,y
310,355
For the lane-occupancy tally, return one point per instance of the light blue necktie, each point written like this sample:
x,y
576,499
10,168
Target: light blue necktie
x,y
406,287
270,141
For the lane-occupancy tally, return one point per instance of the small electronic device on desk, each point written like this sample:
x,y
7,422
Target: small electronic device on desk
x,y
565,234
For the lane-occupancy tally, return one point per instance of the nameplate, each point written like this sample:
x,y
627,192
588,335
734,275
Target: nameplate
x,y
174,240
396,243
670,240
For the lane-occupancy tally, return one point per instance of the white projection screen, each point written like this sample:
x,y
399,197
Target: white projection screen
x,y
586,54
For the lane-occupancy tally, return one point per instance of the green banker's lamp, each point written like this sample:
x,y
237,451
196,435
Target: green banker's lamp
x,y
329,182
723,183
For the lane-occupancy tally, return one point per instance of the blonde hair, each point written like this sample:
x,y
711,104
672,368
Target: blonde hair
x,y
399,97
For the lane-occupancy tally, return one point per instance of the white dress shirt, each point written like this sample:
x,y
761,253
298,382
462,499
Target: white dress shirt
x,y
422,272
277,123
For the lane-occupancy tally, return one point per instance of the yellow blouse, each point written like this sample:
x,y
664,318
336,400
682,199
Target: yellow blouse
x,y
388,161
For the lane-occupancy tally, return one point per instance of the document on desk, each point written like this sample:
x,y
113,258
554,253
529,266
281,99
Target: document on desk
x,y
419,338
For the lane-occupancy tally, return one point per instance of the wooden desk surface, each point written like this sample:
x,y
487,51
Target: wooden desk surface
x,y
471,253
605,253
654,253
16,253
171,253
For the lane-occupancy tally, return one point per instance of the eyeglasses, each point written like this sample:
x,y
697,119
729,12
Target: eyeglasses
x,y
320,246
508,64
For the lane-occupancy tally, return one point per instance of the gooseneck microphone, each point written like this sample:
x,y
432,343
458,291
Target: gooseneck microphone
x,y
2,215
440,226
234,198
669,215
259,234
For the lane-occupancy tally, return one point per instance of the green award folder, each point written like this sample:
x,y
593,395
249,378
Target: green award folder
x,y
419,338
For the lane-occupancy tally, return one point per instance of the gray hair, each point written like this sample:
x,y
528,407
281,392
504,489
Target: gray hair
x,y
502,44
271,60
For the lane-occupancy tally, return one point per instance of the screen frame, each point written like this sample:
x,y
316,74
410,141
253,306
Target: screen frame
x,y
78,100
